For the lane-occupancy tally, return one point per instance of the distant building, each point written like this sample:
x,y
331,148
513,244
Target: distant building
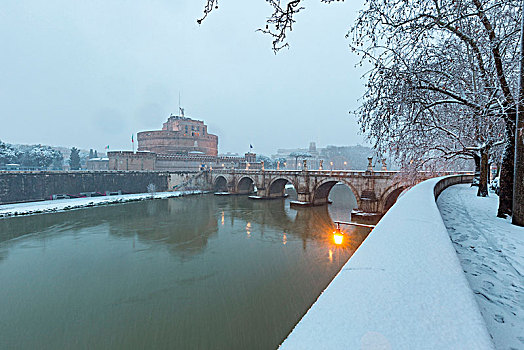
x,y
129,160
313,159
96,164
332,157
179,135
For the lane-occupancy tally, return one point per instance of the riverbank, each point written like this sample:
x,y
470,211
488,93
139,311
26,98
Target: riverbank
x,y
53,206
491,252
404,287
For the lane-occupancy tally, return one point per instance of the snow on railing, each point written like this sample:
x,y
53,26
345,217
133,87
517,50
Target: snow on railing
x,y
404,287
331,173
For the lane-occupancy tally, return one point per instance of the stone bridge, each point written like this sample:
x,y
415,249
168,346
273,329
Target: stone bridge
x,y
375,191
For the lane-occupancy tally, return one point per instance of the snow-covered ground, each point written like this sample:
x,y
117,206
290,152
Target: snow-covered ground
x,y
491,251
75,203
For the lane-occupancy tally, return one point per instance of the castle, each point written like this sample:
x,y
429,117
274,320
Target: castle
x,y
179,135
182,144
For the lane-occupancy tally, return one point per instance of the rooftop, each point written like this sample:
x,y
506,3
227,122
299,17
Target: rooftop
x,y
179,117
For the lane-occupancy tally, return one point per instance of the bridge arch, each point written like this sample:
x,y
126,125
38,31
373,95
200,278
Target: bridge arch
x,y
245,185
322,189
391,195
277,186
220,184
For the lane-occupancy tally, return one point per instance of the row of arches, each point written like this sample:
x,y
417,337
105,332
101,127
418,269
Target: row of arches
x,y
246,185
320,193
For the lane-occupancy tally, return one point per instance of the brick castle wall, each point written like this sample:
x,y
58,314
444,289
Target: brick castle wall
x,y
127,160
172,142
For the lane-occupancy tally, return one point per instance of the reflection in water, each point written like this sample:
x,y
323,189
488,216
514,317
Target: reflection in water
x,y
171,224
196,272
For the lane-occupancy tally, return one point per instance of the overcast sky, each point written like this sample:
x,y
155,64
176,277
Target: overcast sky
x,y
91,73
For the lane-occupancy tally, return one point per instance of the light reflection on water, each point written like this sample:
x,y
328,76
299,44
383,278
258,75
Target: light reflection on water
x,y
196,272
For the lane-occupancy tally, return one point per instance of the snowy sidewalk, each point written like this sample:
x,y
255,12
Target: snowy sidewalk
x,y
491,251
75,203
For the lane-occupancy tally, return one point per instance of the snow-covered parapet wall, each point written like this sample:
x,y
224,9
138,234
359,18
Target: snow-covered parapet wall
x,y
404,287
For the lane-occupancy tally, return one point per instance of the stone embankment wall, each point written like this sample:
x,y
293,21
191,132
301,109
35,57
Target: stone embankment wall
x,y
34,186
183,181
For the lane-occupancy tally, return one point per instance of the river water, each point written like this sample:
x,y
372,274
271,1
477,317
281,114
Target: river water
x,y
200,272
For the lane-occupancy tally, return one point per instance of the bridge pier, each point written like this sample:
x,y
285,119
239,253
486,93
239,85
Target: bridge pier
x,y
307,199
365,217
303,200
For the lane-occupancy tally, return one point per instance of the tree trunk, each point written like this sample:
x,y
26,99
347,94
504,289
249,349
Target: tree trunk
x,y
476,179
518,189
483,181
506,173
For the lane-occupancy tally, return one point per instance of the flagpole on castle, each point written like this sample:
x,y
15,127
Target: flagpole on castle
x,y
133,142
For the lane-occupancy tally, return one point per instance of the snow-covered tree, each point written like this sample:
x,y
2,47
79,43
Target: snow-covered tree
x,y
39,156
480,38
424,105
74,159
392,35
268,162
8,154
278,24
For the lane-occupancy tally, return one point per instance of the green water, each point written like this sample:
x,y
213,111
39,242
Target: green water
x,y
201,272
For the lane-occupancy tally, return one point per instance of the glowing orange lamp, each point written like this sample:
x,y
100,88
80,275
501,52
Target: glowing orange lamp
x,y
338,236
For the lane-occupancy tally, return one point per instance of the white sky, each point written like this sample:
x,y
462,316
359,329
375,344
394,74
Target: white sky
x,y
90,73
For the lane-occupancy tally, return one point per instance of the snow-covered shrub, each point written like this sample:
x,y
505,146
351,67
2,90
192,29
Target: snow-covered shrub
x,y
151,189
